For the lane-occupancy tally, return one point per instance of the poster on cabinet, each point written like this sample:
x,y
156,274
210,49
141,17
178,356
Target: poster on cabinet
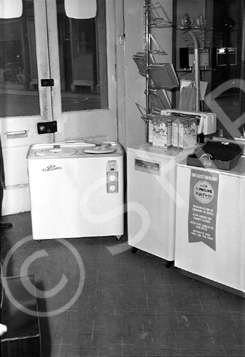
x,y
203,207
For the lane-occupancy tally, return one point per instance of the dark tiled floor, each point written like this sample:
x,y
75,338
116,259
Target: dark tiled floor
x,y
128,304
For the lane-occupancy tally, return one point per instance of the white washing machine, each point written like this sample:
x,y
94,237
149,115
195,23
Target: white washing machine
x,y
76,189
151,196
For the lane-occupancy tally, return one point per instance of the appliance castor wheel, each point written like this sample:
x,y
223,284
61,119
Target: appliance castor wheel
x,y
118,237
169,264
134,250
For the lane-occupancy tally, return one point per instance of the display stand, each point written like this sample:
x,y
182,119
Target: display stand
x,y
159,77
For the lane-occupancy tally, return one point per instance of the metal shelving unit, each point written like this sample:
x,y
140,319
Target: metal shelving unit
x,y
154,16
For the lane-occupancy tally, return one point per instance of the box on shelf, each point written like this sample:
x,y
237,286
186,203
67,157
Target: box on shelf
x,y
150,129
184,132
187,133
162,131
168,130
175,132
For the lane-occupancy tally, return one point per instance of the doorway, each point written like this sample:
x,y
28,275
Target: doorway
x,y
75,57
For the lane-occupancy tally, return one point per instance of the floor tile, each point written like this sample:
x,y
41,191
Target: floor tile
x,y
129,305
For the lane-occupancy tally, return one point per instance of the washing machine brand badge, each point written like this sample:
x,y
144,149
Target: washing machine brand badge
x,y
52,168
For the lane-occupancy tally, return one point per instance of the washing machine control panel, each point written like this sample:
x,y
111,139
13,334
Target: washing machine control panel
x,y
112,176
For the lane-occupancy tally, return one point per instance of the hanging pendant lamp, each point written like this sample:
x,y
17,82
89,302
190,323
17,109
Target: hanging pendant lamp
x,y
81,9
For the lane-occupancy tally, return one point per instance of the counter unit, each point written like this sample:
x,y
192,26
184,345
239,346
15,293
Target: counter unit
x,y
210,225
151,193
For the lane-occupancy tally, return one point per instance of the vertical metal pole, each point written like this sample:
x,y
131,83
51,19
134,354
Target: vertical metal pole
x,y
197,74
147,50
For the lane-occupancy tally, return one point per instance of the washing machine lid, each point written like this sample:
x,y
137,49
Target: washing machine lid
x,y
56,151
74,149
100,149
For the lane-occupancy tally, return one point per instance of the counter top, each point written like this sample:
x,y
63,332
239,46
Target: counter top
x,y
170,152
238,170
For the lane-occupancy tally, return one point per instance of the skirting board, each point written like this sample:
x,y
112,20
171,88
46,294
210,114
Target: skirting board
x,y
214,283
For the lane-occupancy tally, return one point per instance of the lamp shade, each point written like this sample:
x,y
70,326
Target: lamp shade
x,y
81,9
10,9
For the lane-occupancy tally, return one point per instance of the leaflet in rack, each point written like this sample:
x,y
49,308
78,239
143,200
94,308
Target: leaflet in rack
x,y
163,75
140,60
158,100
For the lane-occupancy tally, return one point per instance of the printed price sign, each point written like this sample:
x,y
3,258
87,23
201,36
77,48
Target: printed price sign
x,y
203,207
